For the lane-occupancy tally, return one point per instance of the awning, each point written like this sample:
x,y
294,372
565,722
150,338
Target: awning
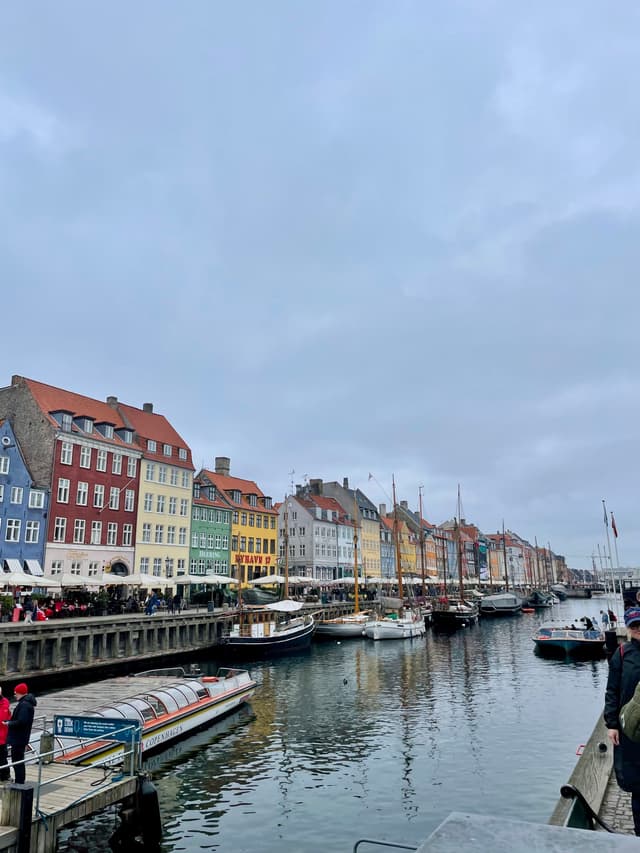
x,y
14,566
34,567
68,579
207,580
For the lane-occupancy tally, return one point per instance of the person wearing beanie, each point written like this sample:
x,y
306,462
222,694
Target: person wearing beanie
x,y
5,715
624,676
19,727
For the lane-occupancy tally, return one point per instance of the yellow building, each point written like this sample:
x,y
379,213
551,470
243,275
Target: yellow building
x,y
254,522
164,497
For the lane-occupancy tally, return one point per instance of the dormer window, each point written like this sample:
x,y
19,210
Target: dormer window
x,y
211,493
267,503
67,421
151,445
253,500
182,454
108,430
87,425
127,436
167,449
237,496
196,490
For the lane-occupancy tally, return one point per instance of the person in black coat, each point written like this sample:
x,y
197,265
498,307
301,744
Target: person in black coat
x,y
20,729
624,675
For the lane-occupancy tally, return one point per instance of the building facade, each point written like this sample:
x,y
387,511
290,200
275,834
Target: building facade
x,y
210,532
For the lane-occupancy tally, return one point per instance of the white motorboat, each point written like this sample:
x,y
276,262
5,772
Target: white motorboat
x,y
402,627
343,627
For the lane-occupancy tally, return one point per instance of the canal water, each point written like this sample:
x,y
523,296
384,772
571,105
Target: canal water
x,y
380,740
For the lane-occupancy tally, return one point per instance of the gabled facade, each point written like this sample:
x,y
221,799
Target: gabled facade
x,y
81,452
387,547
210,531
254,533
352,501
319,535
23,509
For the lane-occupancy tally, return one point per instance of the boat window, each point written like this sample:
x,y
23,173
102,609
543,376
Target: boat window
x,y
156,703
166,699
187,692
144,708
201,692
126,709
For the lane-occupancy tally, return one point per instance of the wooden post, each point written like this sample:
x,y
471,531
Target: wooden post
x,y
17,810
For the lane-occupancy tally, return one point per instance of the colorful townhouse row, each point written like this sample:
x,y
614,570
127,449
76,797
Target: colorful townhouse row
x,y
93,491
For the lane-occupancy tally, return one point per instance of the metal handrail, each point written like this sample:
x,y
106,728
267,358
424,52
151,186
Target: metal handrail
x,y
570,792
379,843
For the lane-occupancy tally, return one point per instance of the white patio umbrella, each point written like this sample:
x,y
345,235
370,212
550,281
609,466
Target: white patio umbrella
x,y
208,580
134,580
67,579
268,579
23,579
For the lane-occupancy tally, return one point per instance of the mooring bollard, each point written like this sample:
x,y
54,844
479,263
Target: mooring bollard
x,y
17,810
46,747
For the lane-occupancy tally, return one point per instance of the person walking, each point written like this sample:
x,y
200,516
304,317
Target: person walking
x,y
624,675
20,729
27,608
5,716
605,619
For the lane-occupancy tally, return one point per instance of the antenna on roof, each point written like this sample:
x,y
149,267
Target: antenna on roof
x,y
291,473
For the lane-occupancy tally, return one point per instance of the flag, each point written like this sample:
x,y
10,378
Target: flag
x,y
371,476
613,526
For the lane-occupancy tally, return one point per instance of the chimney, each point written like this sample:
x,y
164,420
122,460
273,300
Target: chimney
x,y
345,483
223,465
16,379
316,487
404,505
112,401
382,509
147,407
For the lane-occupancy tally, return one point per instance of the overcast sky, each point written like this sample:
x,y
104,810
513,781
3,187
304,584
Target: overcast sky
x,y
341,238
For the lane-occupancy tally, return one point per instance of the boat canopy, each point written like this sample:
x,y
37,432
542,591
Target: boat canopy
x,y
287,605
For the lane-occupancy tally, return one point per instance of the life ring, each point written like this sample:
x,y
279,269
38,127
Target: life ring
x,y
208,678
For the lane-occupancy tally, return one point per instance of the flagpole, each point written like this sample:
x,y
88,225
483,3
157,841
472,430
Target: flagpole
x,y
615,540
606,527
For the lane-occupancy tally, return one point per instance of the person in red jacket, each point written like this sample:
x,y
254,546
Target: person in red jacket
x,y
5,715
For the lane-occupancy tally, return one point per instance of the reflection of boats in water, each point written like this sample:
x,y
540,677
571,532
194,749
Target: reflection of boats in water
x,y
166,703
567,640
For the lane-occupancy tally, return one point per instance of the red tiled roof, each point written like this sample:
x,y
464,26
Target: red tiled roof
x,y
51,399
388,522
150,425
229,484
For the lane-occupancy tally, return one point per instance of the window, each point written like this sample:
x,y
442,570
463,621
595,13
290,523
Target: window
x,y
12,531
182,453
203,540
184,506
78,531
173,505
127,534
63,491
85,457
132,466
96,532
66,422
151,472
258,521
273,522
16,494
36,499
59,529
303,549
112,533
253,500
101,461
167,449
160,503
235,516
148,501
114,497
243,543
157,566
116,464
159,534
266,522
174,476
144,565
252,520
194,540
195,513
250,545
171,534
98,496
258,546
162,473
93,569
32,532
186,480
108,430
243,518
82,494
234,543
4,464
146,533
151,445
56,567
66,453
182,536
129,500
87,425
301,531
225,542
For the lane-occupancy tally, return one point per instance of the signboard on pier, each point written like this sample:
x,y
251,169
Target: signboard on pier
x,y
122,730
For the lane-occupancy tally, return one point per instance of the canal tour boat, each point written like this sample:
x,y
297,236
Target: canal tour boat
x,y
166,707
568,640
263,631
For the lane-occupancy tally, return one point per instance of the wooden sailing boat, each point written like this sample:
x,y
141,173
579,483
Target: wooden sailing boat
x,y
406,622
452,613
351,625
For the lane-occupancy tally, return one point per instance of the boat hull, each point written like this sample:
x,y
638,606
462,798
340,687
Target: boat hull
x,y
287,640
341,629
569,642
395,629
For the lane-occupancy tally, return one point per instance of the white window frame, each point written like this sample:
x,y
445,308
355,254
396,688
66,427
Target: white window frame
x,y
31,532
127,534
79,530
85,457
151,445
12,530
148,501
129,500
36,499
4,464
112,533
114,498
101,460
98,496
66,453
82,493
17,494
59,529
132,466
96,532
116,463
167,450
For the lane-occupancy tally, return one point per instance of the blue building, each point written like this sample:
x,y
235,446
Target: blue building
x,y
23,510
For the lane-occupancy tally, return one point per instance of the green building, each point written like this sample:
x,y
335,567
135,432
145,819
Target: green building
x,y
210,531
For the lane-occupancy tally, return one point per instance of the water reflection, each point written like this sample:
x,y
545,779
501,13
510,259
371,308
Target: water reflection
x,y
384,739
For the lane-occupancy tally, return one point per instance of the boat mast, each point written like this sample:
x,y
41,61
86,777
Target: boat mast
x,y
460,575
538,578
356,601
286,546
504,552
396,539
424,588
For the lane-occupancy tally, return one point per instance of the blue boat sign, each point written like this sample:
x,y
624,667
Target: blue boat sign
x,y
122,730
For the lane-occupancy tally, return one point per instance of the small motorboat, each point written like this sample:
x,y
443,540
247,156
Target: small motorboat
x,y
569,640
500,604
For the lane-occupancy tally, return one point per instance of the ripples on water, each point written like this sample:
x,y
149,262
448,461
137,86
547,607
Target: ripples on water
x,y
383,740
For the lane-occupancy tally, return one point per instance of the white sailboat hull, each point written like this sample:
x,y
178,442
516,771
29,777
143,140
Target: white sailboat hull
x,y
343,627
403,628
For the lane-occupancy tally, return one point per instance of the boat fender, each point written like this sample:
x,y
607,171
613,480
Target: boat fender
x,y
209,678
149,811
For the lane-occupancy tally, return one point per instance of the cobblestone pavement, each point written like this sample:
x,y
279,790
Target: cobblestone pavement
x,y
616,808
